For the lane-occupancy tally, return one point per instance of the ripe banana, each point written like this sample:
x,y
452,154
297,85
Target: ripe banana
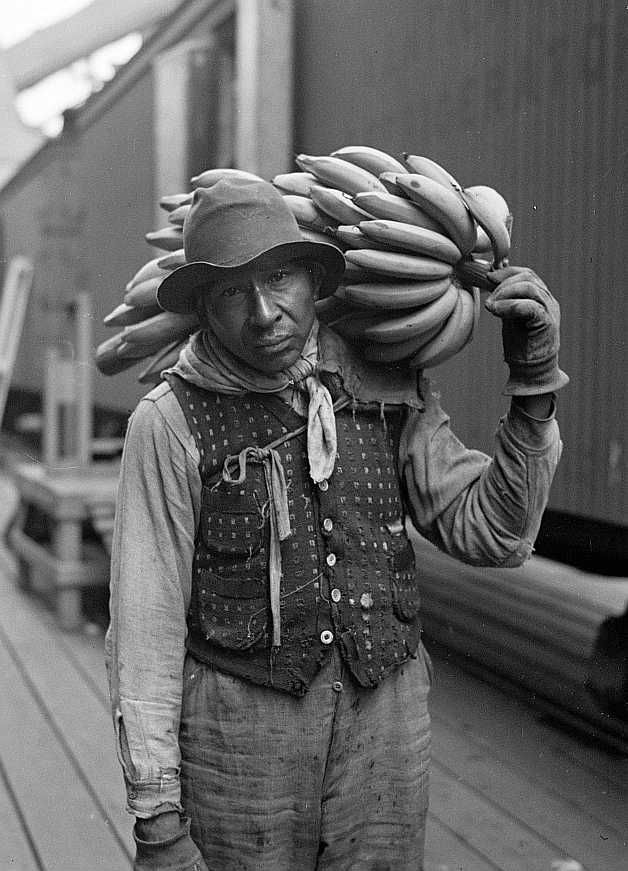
x,y
352,237
451,338
145,293
407,237
172,260
152,269
425,166
414,322
299,183
443,205
338,205
371,159
331,308
147,337
211,176
393,296
399,265
338,173
178,216
124,315
168,238
490,217
163,359
306,213
398,351
172,202
353,325
390,207
317,236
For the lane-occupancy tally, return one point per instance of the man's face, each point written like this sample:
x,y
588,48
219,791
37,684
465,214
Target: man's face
x,y
263,313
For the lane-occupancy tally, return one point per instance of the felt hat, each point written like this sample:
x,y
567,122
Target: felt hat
x,y
230,225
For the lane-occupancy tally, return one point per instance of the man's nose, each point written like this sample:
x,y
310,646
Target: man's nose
x,y
263,310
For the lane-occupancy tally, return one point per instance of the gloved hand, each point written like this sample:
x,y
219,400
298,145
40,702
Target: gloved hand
x,y
530,331
176,852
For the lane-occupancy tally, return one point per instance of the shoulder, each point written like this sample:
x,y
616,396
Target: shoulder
x,y
158,418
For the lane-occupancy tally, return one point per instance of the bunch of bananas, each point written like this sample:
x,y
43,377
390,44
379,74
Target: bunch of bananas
x,y
418,248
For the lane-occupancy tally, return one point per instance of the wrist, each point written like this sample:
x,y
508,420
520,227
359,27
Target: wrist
x,y
159,828
539,406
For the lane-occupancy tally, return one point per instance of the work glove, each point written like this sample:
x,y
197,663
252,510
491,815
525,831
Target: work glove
x,y
530,331
178,852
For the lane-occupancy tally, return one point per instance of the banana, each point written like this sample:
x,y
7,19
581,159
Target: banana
x,y
414,322
397,264
106,357
338,173
473,272
337,204
397,351
147,337
210,176
492,220
331,308
353,325
371,159
352,237
299,183
489,194
318,236
178,216
172,202
143,294
451,338
152,269
389,180
443,205
390,207
306,213
168,238
172,260
393,296
482,241
124,315
433,170
407,237
163,359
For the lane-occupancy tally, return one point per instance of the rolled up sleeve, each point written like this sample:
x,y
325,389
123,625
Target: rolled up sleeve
x,y
482,510
151,571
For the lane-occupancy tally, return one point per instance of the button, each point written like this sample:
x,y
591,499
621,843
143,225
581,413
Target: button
x,y
327,637
337,686
328,524
324,485
331,559
336,595
366,600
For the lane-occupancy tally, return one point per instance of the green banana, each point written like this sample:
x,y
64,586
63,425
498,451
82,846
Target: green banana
x,y
106,357
306,213
124,315
393,296
144,294
352,237
443,205
414,322
390,207
152,269
371,159
395,352
147,337
491,219
397,264
453,336
178,216
172,202
407,237
425,166
340,174
210,176
299,183
172,260
168,238
337,204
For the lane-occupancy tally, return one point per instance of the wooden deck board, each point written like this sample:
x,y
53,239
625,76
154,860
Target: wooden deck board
x,y
16,851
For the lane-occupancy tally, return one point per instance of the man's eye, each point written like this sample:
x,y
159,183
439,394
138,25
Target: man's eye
x,y
231,291
278,275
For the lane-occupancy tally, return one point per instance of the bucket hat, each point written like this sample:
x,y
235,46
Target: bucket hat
x,y
230,225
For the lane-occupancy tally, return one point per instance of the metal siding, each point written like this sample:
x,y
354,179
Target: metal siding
x,y
529,98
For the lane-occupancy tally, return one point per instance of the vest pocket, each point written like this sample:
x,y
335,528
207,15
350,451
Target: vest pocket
x,y
234,621
234,521
406,601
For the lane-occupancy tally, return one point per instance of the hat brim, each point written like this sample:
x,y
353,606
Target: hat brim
x,y
179,290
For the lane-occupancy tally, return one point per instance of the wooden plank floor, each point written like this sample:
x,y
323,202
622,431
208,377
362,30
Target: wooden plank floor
x,y
509,791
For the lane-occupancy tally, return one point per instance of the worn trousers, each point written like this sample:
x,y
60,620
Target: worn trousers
x,y
332,781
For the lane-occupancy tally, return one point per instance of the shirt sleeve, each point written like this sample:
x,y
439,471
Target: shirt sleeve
x,y
151,572
482,510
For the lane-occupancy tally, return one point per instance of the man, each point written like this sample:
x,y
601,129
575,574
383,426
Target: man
x,y
267,675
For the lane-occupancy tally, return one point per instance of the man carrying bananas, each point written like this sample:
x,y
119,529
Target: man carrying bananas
x,y
268,680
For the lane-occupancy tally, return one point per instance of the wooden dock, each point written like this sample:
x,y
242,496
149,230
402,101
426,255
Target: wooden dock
x,y
509,791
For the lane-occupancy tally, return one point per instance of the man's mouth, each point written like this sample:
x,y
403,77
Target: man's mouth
x,y
271,342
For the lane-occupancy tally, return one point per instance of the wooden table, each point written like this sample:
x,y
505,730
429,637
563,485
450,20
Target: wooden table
x,y
67,562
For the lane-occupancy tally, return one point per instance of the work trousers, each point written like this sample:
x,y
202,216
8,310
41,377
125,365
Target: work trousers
x,y
332,781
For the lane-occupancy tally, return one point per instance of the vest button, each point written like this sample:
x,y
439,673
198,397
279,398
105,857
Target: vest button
x,y
336,595
337,686
331,559
327,637
323,485
328,524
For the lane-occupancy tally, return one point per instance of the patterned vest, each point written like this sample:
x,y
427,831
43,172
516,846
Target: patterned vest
x,y
347,567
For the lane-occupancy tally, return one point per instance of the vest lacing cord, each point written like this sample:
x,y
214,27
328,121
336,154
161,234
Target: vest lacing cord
x,y
278,514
